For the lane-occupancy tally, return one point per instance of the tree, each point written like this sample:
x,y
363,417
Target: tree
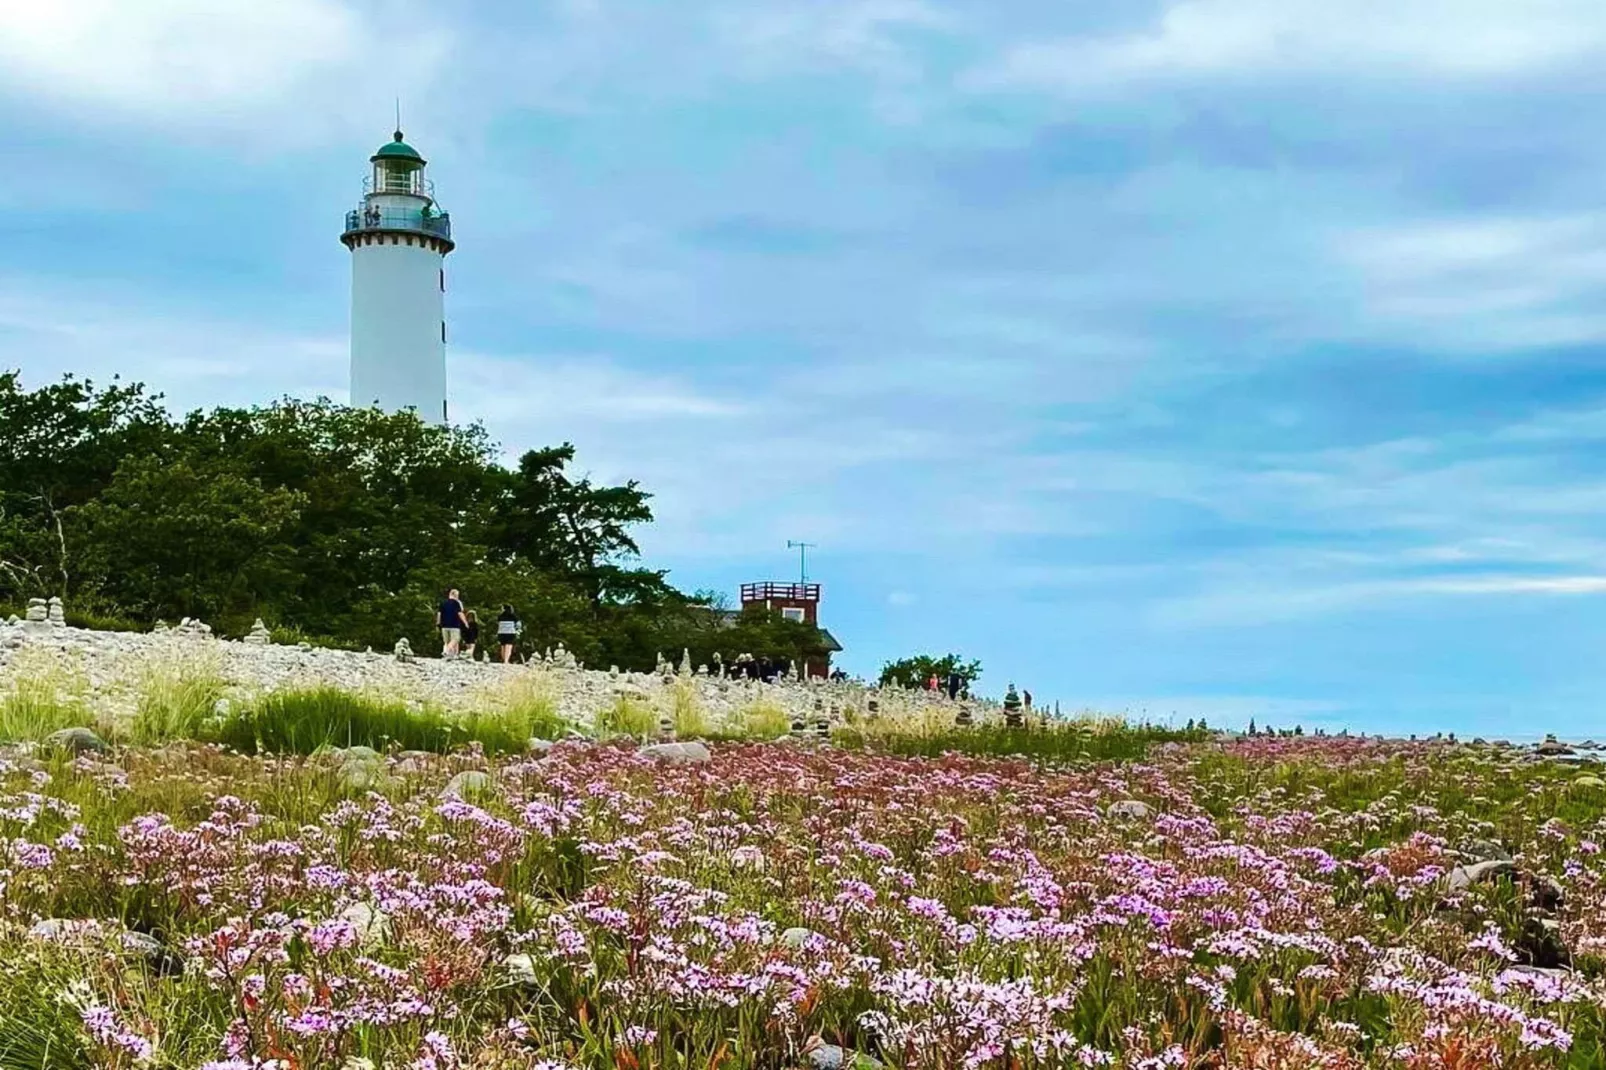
x,y
915,671
185,537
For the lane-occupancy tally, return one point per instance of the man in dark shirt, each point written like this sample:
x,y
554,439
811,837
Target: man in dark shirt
x,y
449,619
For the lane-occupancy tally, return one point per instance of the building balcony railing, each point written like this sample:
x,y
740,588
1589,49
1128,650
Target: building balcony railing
x,y
438,224
780,592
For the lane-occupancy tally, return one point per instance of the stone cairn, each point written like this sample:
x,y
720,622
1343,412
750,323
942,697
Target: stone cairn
x,y
666,728
800,728
964,718
259,634
822,724
37,617
719,665
194,628
56,613
685,662
1013,717
404,649
564,659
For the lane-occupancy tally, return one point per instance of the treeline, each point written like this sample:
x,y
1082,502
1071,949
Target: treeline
x,y
335,525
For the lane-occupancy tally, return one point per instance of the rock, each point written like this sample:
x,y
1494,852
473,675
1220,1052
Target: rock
x,y
360,775
797,937
677,753
1485,851
1463,877
469,784
1551,747
520,970
359,753
77,741
1130,810
56,613
540,746
259,634
830,1057
357,1062
153,953
373,926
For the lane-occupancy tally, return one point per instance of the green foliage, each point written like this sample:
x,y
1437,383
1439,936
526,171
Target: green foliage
x,y
1056,741
309,720
334,525
915,671
690,719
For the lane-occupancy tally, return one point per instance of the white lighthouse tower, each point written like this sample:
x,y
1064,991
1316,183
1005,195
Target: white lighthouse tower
x,y
399,239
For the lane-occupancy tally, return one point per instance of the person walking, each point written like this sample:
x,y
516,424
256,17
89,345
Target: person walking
x,y
508,627
449,619
471,634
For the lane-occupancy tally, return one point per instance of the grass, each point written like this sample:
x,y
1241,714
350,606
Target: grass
x,y
303,721
763,721
527,703
686,710
46,695
628,716
177,694
1061,741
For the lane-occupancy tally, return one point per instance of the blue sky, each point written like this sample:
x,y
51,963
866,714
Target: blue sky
x,y
1186,357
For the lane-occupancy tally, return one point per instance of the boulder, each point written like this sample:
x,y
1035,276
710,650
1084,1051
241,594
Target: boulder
x,y
1485,851
520,970
373,926
830,1057
797,937
77,741
1130,810
676,753
153,953
469,784
1463,877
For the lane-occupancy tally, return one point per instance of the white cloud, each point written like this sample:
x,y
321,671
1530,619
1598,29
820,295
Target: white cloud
x,y
210,64
1239,38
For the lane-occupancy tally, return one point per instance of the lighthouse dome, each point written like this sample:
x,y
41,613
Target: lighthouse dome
x,y
397,149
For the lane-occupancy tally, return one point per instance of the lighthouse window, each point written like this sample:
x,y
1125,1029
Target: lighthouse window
x,y
792,613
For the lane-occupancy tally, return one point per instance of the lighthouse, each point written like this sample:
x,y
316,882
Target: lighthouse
x,y
399,239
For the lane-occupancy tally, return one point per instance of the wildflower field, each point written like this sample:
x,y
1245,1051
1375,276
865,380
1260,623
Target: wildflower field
x,y
1260,903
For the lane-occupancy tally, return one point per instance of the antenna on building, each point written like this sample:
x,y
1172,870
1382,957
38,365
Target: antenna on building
x,y
802,549
398,119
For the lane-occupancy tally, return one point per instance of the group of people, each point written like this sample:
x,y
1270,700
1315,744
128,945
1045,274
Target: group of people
x,y
460,629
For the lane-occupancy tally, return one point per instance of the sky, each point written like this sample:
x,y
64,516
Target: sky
x,y
1176,358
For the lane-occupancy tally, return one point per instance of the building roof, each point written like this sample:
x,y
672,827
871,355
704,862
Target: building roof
x,y
397,150
830,641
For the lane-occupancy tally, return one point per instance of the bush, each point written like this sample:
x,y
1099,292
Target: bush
x,y
687,712
304,721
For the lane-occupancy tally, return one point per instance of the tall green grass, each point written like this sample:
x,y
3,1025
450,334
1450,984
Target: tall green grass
x,y
44,694
627,716
308,720
1099,741
177,694
527,702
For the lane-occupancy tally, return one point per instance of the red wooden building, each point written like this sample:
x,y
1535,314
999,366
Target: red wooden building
x,y
798,602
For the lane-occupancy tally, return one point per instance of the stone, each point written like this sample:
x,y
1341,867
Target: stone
x,y
153,953
38,611
357,1062
520,970
1130,810
358,775
964,718
666,729
1013,717
830,1057
676,753
469,784
404,649
373,926
797,937
1485,851
1551,747
77,741
1463,877
56,613
685,662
